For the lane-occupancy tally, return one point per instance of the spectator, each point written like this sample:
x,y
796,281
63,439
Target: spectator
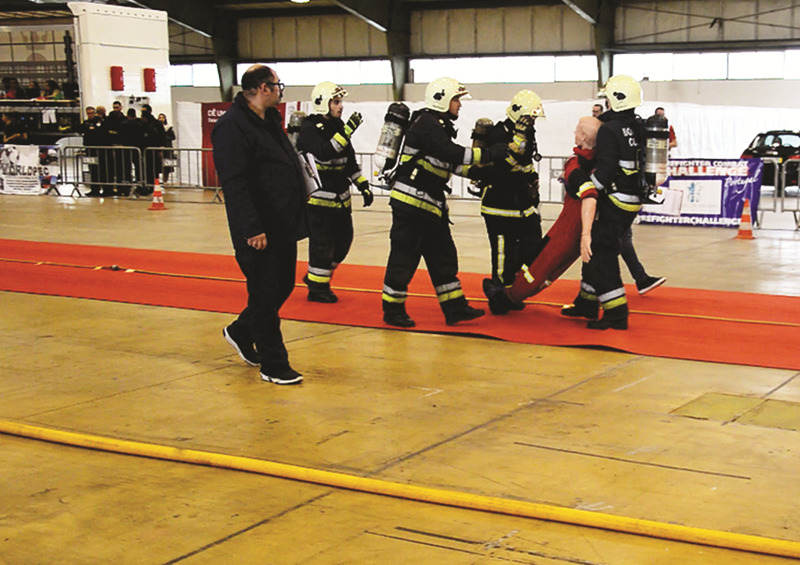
x,y
673,141
131,134
153,137
169,138
597,109
52,91
264,200
14,131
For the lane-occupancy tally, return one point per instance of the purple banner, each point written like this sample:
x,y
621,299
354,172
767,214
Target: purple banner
x,y
707,192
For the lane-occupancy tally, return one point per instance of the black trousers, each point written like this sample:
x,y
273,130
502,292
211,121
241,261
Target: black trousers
x,y
329,241
514,241
413,237
270,275
602,271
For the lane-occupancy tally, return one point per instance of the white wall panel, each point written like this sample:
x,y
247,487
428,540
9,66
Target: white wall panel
x,y
739,20
576,33
517,28
672,21
489,37
262,40
547,29
685,20
331,40
309,41
434,33
285,38
461,31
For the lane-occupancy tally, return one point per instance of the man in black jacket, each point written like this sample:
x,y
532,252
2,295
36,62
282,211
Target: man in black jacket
x,y
264,200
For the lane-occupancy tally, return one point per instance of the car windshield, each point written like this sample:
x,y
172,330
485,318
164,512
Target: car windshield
x,y
776,139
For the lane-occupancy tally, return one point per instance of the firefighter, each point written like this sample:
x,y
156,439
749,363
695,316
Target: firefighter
x,y
510,197
324,135
420,221
619,180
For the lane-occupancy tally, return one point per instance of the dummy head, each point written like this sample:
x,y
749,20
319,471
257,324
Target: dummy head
x,y
586,132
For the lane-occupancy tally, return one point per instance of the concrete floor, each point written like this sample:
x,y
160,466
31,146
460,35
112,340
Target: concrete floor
x,y
605,431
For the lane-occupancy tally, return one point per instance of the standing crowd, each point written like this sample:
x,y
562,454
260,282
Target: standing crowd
x,y
111,138
277,193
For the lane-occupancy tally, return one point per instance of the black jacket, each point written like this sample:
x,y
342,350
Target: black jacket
x,y
620,143
260,176
336,161
508,192
428,160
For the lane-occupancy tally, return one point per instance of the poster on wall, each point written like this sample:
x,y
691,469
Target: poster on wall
x,y
27,169
213,111
706,192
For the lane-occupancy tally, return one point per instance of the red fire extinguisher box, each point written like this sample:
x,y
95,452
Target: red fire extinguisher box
x,y
149,80
117,80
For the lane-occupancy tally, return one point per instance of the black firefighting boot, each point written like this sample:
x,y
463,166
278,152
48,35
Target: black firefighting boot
x,y
582,308
616,318
459,310
499,301
319,292
395,315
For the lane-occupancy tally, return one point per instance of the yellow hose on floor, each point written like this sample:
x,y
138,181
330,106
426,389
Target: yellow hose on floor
x,y
726,540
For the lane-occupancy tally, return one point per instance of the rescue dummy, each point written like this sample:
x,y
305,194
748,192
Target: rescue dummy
x,y
560,248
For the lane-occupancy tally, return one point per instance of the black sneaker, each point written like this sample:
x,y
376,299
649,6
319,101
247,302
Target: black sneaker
x,y
399,319
286,376
646,285
246,351
464,313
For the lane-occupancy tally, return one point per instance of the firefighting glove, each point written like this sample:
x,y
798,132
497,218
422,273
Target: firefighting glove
x,y
519,142
366,192
352,124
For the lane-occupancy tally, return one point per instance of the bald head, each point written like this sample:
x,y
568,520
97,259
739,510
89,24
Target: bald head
x,y
586,132
255,76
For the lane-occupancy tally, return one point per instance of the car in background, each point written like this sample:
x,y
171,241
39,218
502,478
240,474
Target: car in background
x,y
782,146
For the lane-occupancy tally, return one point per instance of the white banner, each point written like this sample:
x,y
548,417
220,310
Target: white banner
x,y
22,169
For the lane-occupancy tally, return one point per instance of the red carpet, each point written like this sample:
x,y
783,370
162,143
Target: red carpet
x,y
724,327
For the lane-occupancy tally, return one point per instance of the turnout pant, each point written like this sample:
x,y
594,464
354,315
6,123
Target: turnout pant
x,y
270,275
330,237
413,237
600,277
514,242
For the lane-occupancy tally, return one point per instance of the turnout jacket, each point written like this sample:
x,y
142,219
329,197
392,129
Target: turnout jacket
x,y
509,191
428,160
618,174
324,138
260,175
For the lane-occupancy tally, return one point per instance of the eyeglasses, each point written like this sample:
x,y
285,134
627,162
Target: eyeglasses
x,y
280,85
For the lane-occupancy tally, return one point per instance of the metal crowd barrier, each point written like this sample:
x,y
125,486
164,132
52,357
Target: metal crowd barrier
x,y
181,168
107,169
790,194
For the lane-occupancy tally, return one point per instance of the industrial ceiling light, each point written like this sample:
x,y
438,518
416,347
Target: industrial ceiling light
x,y
300,1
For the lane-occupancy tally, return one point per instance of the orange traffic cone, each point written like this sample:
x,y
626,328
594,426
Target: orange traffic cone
x,y
158,198
745,226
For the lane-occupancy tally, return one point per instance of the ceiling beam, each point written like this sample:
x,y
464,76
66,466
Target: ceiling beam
x,y
587,9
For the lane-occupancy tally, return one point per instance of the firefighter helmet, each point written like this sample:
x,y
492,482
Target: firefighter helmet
x,y
525,103
623,92
323,93
441,91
